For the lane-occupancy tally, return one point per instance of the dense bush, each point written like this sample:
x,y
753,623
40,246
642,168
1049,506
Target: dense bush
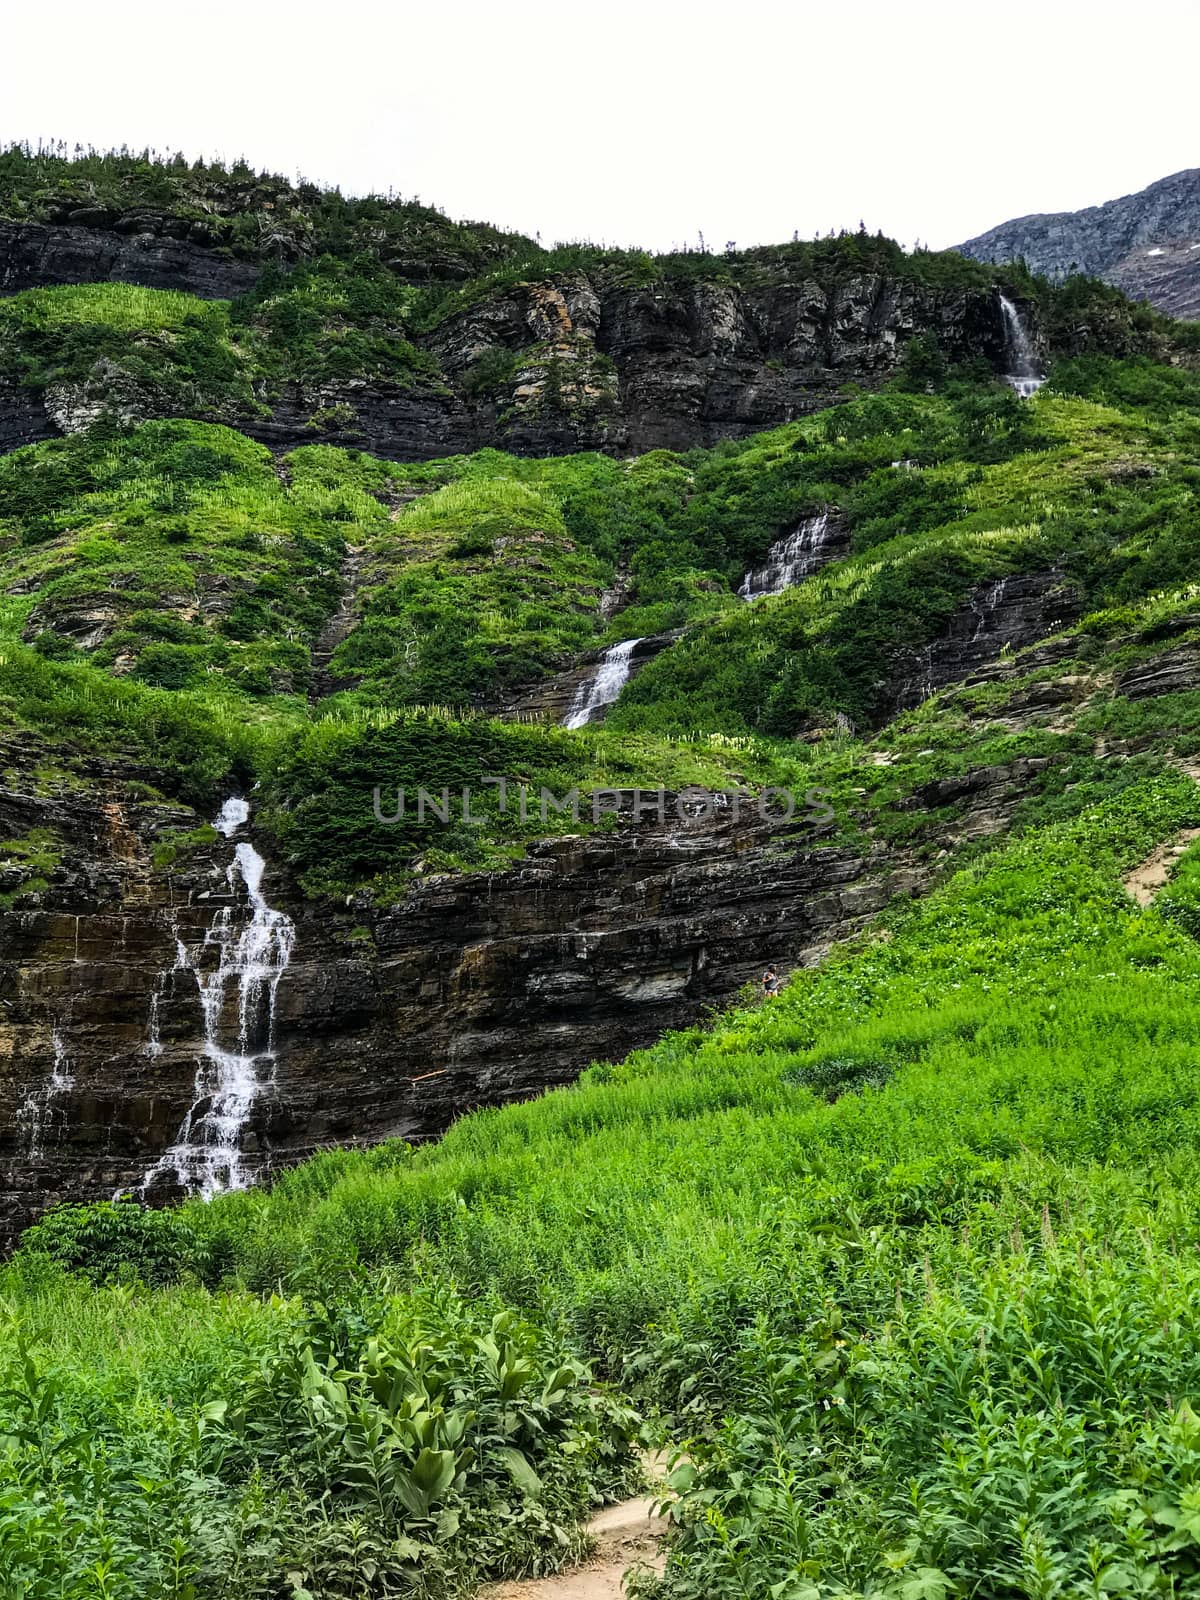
x,y
118,1242
379,1443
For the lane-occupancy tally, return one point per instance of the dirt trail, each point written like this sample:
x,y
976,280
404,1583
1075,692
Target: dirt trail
x,y
627,1535
1144,882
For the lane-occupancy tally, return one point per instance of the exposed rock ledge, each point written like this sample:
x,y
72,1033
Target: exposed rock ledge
x,y
472,991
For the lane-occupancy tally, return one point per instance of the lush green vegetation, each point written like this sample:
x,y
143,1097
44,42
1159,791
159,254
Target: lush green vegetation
x,y
168,587
171,554
384,1441
904,1258
479,588
132,353
985,487
231,208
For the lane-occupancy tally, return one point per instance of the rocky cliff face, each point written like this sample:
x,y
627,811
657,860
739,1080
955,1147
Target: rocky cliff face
x,y
24,417
471,991
154,252
673,365
574,361
1147,244
998,618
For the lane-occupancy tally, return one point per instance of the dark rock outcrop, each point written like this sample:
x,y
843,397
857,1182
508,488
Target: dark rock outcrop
x,y
1175,672
694,361
1147,244
471,991
998,616
36,255
23,417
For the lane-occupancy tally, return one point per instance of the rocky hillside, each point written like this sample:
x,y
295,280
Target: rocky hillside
x,y
1147,244
347,791
231,637
605,357
977,628
132,289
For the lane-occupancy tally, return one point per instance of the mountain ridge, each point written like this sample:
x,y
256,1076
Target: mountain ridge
x,y
1146,243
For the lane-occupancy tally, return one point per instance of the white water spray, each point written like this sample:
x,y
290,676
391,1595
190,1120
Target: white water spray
x,y
251,955
166,980
790,559
41,1117
601,690
984,605
1023,371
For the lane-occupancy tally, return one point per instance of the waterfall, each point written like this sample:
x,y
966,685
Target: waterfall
x,y
165,981
1023,374
601,690
40,1114
244,954
983,606
794,557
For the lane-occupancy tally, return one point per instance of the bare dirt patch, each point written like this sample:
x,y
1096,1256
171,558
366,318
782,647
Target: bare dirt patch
x,y
626,1535
1144,882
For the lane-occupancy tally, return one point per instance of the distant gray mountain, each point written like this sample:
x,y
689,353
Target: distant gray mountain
x,y
1148,244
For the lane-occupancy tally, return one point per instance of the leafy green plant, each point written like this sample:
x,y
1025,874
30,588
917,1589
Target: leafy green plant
x,y
120,1241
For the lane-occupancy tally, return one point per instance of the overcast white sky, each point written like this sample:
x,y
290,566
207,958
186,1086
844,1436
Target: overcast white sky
x,y
639,123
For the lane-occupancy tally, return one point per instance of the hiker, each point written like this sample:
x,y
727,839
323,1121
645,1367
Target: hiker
x,y
770,981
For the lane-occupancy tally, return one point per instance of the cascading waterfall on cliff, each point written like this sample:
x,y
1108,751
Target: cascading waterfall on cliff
x,y
983,606
601,690
237,973
790,559
41,1115
1023,371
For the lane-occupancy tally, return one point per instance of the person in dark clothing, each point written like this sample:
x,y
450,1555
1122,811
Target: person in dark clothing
x,y
770,981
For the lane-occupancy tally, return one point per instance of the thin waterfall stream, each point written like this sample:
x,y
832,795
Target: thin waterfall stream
x,y
601,690
1024,374
236,971
791,559
41,1116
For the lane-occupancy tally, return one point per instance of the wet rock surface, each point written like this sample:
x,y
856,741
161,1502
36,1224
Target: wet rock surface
x,y
999,616
551,700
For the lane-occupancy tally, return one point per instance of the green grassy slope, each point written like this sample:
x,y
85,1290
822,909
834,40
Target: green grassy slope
x,y
173,577
157,352
901,1256
904,1257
